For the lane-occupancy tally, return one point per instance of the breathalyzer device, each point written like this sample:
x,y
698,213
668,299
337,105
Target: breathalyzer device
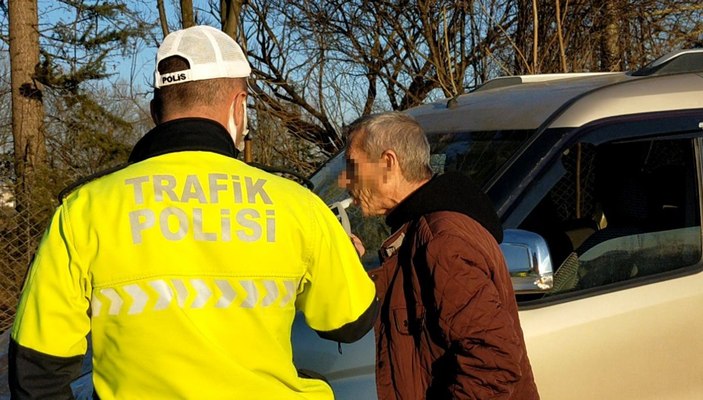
x,y
339,209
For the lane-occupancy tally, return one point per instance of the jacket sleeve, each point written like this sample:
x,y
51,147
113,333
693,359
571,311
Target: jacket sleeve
x,y
476,326
34,375
48,338
338,297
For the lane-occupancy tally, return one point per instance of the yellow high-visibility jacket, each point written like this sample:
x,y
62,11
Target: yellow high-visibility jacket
x,y
187,268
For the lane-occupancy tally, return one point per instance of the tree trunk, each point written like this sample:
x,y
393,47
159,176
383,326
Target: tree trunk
x,y
230,11
27,108
560,35
163,19
610,50
522,37
187,17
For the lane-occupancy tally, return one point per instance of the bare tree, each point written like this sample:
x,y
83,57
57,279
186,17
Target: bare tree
x,y
320,63
603,35
287,76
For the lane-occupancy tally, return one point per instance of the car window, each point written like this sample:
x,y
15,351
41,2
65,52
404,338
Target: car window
x,y
477,154
621,211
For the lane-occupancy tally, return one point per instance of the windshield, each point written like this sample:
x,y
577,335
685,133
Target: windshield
x,y
478,154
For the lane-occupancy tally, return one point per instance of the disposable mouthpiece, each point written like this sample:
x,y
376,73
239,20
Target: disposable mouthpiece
x,y
346,202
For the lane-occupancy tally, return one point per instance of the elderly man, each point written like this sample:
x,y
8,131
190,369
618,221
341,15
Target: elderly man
x,y
187,266
448,326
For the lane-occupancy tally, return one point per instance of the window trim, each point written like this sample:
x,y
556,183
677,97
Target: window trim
x,y
511,183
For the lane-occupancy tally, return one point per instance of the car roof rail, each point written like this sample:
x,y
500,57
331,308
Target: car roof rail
x,y
511,80
685,60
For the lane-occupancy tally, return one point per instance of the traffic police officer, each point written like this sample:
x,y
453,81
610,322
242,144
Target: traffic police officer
x,y
187,266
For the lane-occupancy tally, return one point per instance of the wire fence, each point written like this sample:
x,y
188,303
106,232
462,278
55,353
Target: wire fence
x,y
23,219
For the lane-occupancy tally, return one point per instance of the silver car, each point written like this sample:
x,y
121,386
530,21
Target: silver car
x,y
597,179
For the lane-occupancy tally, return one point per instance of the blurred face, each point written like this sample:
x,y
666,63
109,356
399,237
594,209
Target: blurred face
x,y
367,181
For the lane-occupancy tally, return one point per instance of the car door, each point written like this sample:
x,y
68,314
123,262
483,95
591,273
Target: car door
x,y
620,210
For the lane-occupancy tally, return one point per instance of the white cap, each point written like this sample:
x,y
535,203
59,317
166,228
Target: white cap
x,y
210,52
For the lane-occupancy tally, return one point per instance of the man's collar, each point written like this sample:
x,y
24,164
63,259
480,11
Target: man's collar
x,y
186,134
451,191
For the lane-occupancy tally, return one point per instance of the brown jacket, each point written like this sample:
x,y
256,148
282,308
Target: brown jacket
x,y
448,326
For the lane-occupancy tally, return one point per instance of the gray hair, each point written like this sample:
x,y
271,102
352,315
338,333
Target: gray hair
x,y
396,131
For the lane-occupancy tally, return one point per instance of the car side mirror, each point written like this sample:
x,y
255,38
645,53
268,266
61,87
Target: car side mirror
x,y
529,263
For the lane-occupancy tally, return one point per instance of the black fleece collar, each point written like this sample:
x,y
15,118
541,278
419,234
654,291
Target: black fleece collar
x,y
451,191
186,134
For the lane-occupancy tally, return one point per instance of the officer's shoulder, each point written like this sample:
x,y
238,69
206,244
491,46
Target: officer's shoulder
x,y
86,179
285,176
289,186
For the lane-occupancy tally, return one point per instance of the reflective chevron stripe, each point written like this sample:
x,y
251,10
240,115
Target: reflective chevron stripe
x,y
272,291
140,298
164,292
203,293
96,306
196,293
228,294
252,294
290,292
181,291
114,299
